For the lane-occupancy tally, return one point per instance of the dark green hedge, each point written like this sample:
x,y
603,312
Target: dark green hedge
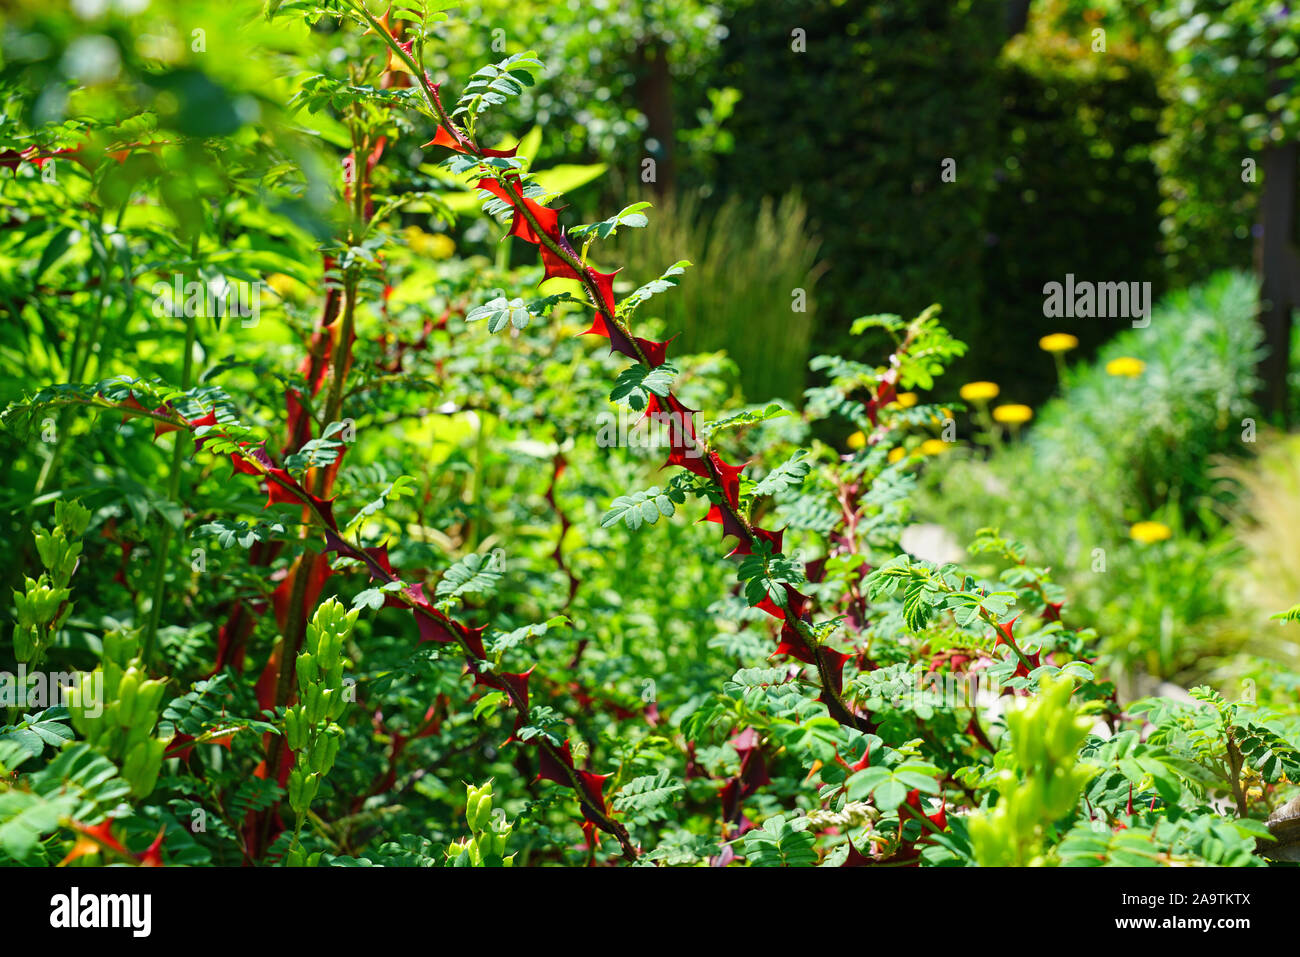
x,y
1076,192
1052,168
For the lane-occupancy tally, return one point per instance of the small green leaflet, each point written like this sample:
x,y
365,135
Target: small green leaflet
x,y
1291,614
678,848
473,574
49,727
26,818
500,311
789,473
765,575
747,678
541,719
662,284
882,320
493,84
630,216
373,598
643,799
516,312
743,418
255,794
819,736
316,453
645,506
636,383
241,533
919,602
86,775
206,707
806,514
884,581
967,606
487,705
1267,752
399,487
888,787
503,642
781,843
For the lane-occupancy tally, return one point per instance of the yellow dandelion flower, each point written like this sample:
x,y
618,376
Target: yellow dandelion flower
x,y
979,391
1058,342
933,447
1125,366
906,399
1013,414
896,453
1149,532
857,441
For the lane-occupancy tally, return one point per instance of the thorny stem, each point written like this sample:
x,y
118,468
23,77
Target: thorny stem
x,y
588,279
610,825
587,276
348,550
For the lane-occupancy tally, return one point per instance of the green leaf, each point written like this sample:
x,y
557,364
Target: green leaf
x,y
788,474
501,312
1291,614
498,312
645,506
630,216
743,418
230,533
89,776
637,383
473,574
644,799
889,794
653,287
862,783
918,603
780,843
765,575
398,488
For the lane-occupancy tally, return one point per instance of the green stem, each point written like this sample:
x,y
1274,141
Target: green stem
x,y
338,375
476,490
173,484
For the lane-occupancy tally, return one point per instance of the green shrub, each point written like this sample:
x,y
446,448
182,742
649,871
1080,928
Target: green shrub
x,y
1075,134
1113,451
864,118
